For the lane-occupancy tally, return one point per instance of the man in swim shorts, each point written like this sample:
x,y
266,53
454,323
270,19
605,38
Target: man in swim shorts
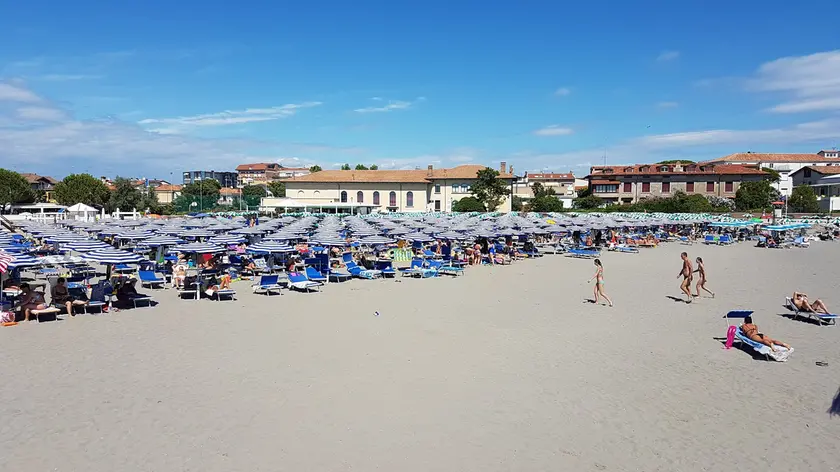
x,y
686,272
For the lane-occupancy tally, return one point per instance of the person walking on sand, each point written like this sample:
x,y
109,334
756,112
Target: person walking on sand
x,y
686,272
598,290
701,278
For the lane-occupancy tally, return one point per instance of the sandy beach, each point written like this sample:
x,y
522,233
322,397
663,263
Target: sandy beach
x,y
503,369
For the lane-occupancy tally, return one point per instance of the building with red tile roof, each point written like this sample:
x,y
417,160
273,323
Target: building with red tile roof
x,y
783,163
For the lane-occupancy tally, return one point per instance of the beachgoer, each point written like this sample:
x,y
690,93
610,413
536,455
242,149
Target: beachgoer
x,y
801,301
30,300
179,272
61,296
685,273
751,331
701,278
598,290
128,292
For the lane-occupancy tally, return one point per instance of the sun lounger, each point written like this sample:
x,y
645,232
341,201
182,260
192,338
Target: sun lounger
x,y
801,242
148,278
726,240
625,249
710,239
315,276
387,268
267,285
123,269
450,269
415,269
685,241
780,355
583,253
821,318
227,293
338,276
298,281
358,272
46,311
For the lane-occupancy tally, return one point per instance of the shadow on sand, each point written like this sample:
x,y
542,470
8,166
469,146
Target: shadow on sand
x,y
834,410
744,348
676,299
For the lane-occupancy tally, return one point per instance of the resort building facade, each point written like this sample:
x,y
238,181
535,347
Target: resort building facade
x,y
225,179
41,183
392,190
784,164
562,184
825,180
631,183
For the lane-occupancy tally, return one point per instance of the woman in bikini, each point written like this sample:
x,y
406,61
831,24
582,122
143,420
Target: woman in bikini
x,y
751,331
701,279
598,290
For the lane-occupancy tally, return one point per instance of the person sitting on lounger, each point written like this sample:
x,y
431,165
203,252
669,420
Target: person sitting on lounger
x,y
30,300
128,292
801,301
61,296
179,273
751,331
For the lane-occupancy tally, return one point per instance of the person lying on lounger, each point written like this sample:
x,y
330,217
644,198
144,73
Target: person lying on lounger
x,y
801,301
751,331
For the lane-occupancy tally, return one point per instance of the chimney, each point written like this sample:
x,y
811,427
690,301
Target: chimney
x,y
502,167
429,171
511,170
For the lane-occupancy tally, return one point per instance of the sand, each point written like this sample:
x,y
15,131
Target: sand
x,y
504,369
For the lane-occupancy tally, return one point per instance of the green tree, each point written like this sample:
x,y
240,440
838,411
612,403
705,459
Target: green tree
x,y
345,167
82,188
545,204
361,167
125,196
14,188
278,189
585,192
772,174
588,202
468,204
540,190
205,194
676,161
150,202
516,203
315,168
374,167
754,195
803,200
489,189
254,191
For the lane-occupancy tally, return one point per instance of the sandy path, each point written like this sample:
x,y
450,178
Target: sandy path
x,y
503,369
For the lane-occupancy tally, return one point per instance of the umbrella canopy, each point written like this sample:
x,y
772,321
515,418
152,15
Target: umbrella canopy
x,y
113,256
374,240
23,260
200,248
163,241
416,236
226,239
86,245
269,247
329,240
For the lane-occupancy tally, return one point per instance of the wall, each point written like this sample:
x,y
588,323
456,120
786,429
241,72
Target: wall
x,y
305,192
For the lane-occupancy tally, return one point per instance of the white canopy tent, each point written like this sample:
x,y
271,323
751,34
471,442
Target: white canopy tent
x,y
80,211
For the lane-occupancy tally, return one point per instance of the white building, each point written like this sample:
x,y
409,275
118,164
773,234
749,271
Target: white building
x,y
825,180
784,164
562,184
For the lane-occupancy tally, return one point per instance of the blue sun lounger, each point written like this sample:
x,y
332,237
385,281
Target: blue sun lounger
x,y
148,278
298,281
583,253
357,271
313,275
827,318
267,285
781,355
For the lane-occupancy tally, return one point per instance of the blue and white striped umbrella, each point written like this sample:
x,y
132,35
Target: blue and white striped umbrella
x,y
16,248
226,239
23,260
329,240
86,245
197,233
421,237
133,235
199,248
65,238
162,241
375,240
450,235
269,247
113,256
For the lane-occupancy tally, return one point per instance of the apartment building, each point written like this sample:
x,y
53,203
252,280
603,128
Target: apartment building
x,y
784,164
41,183
258,173
392,190
631,183
562,184
225,179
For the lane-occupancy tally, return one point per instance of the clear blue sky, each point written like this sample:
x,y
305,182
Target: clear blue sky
x,y
153,88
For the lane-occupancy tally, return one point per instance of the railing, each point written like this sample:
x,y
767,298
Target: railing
x,y
6,223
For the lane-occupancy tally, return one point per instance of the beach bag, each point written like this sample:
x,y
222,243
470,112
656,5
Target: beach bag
x,y
7,317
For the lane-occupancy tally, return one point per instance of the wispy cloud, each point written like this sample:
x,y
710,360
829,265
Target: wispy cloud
x,y
665,105
13,93
554,130
562,92
668,56
227,117
67,77
392,105
812,82
40,113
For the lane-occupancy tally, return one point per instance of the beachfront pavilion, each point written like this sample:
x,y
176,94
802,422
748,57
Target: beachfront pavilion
x,y
828,192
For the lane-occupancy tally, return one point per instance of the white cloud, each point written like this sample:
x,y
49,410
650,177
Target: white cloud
x,y
554,130
391,106
12,93
668,56
67,77
562,92
228,117
40,114
812,82
667,105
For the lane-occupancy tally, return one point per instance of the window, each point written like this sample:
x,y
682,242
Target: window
x,y
437,205
392,199
317,193
645,187
343,196
728,187
376,198
606,188
689,186
710,186
666,187
806,172
437,188
664,169
628,169
300,193
409,199
628,187
360,197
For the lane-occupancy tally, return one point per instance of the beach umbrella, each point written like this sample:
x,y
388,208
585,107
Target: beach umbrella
x,y
416,236
65,238
86,245
226,239
329,240
450,235
156,241
112,256
269,247
200,248
375,240
23,260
